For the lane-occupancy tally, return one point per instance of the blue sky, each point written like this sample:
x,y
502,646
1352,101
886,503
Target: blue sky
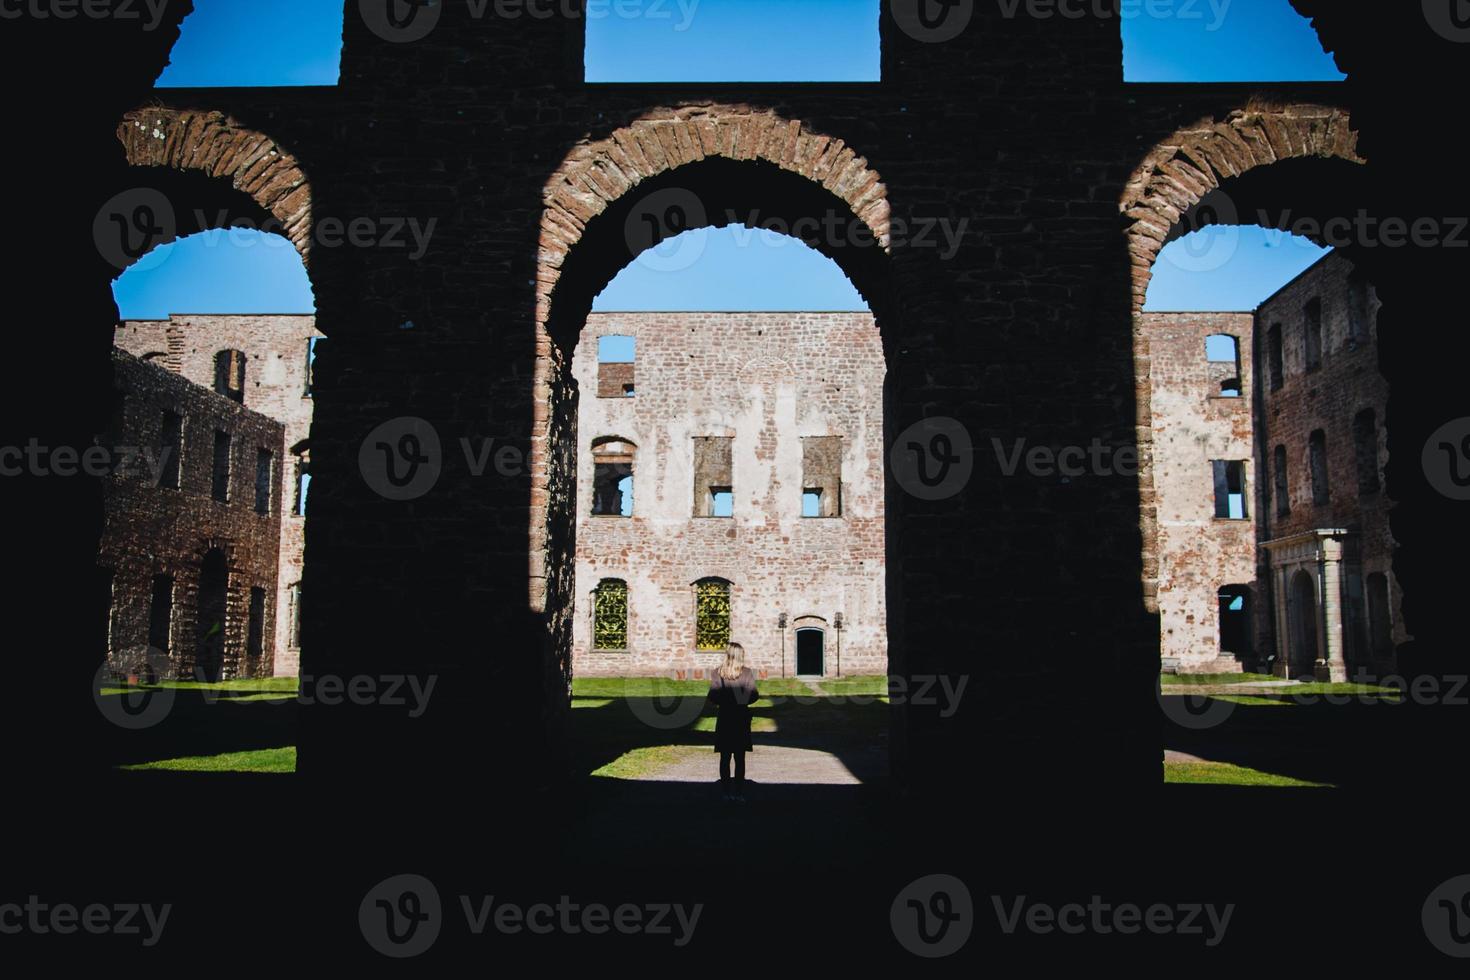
x,y
298,42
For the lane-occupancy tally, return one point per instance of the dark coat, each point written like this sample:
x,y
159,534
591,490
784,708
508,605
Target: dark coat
x,y
732,700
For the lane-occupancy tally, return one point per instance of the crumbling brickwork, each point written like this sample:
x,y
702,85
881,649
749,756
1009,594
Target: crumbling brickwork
x,y
772,394
277,383
169,534
1342,402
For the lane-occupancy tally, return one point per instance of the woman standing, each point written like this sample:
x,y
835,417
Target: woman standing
x,y
732,690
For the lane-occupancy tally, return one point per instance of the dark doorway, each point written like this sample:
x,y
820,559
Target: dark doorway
x,y
1235,620
1301,615
209,620
810,644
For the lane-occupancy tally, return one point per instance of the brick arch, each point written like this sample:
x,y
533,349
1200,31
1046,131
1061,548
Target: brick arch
x,y
598,172
219,146
1173,177
594,177
1179,171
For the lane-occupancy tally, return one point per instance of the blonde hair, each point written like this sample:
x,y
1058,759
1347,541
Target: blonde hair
x,y
734,662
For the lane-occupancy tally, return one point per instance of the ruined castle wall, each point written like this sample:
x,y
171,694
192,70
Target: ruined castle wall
x,y
276,385
767,380
151,530
1194,424
1328,398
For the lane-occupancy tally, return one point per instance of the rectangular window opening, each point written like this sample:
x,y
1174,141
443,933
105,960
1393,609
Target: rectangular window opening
x,y
1229,489
713,476
264,461
220,470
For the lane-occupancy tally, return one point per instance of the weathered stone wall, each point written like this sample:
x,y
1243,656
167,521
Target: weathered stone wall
x,y
767,380
151,530
1327,399
276,385
1193,425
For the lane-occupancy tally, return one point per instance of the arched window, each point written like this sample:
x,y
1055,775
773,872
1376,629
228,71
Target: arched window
x,y
229,374
1317,460
1276,357
612,477
1365,440
1283,488
711,614
301,478
1312,334
610,615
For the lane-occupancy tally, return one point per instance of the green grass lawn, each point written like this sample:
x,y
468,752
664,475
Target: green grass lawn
x,y
1170,680
259,760
1225,774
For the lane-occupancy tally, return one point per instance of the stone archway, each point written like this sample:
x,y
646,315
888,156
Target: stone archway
x,y
1175,176
592,180
217,145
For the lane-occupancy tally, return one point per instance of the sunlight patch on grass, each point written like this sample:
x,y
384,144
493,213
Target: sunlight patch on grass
x,y
647,761
591,702
1225,774
258,760
1168,680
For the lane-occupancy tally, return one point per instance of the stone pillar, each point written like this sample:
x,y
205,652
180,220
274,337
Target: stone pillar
x,y
1332,609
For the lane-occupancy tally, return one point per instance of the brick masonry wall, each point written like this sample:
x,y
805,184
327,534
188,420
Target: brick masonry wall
x,y
151,530
1193,425
1328,399
275,385
767,380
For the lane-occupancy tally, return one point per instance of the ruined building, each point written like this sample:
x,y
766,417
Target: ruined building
x,y
1274,546
262,362
730,467
188,556
1071,179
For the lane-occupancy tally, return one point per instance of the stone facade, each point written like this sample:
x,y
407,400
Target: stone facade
x,y
798,396
1277,406
276,384
176,559
1196,422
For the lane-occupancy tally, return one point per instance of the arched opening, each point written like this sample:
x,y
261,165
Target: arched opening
x,y
1301,616
217,222
1244,233
740,410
